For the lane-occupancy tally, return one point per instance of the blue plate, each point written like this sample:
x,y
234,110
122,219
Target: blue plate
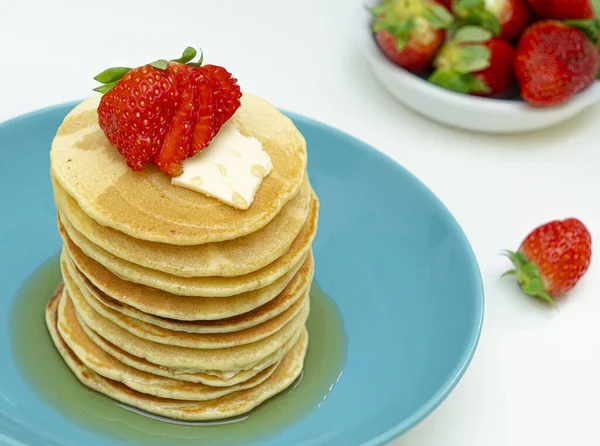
x,y
388,253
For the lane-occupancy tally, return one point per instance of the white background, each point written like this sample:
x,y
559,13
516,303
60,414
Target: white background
x,y
535,379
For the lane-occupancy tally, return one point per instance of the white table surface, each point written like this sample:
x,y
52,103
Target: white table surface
x,y
535,379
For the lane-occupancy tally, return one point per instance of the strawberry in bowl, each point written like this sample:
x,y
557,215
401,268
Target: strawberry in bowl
x,y
411,32
522,75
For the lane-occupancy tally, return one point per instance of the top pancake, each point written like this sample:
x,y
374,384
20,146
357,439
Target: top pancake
x,y
145,205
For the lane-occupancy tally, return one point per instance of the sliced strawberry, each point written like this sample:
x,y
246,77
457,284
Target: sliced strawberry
x,y
217,93
206,125
231,94
177,143
165,112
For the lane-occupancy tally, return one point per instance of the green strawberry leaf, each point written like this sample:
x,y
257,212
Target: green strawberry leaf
x,y
161,64
106,87
438,16
472,34
112,74
476,84
471,58
188,54
528,276
401,31
474,12
376,11
200,60
591,28
449,80
461,5
491,22
596,7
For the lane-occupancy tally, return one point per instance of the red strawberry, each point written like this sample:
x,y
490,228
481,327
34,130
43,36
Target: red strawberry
x,y
206,126
475,62
445,3
410,32
177,144
562,9
229,101
552,258
137,112
505,18
165,112
554,62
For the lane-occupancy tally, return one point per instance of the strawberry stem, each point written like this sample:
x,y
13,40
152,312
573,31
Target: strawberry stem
x,y
112,76
528,276
188,54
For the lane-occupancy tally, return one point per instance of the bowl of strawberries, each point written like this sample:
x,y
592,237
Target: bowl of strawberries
x,y
494,66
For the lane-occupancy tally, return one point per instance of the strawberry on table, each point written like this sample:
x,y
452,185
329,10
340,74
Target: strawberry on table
x,y
554,62
552,259
475,62
562,9
410,32
505,18
165,112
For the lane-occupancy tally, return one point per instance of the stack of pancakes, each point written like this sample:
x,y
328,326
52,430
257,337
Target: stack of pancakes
x,y
174,302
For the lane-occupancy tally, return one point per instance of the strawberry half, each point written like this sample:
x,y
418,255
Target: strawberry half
x,y
552,259
475,62
410,32
554,62
505,18
165,112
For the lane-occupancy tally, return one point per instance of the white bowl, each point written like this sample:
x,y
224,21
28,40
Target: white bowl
x,y
465,111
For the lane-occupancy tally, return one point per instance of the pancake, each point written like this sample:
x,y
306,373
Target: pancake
x,y
199,286
109,367
153,302
288,297
229,258
231,359
179,338
146,206
210,378
228,406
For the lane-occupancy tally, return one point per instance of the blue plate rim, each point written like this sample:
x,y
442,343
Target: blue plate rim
x,y
437,399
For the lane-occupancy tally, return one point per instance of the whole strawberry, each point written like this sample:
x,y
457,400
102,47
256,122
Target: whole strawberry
x,y
166,111
410,32
505,18
562,9
476,63
137,112
552,259
554,62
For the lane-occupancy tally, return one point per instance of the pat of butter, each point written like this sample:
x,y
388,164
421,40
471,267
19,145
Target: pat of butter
x,y
231,168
